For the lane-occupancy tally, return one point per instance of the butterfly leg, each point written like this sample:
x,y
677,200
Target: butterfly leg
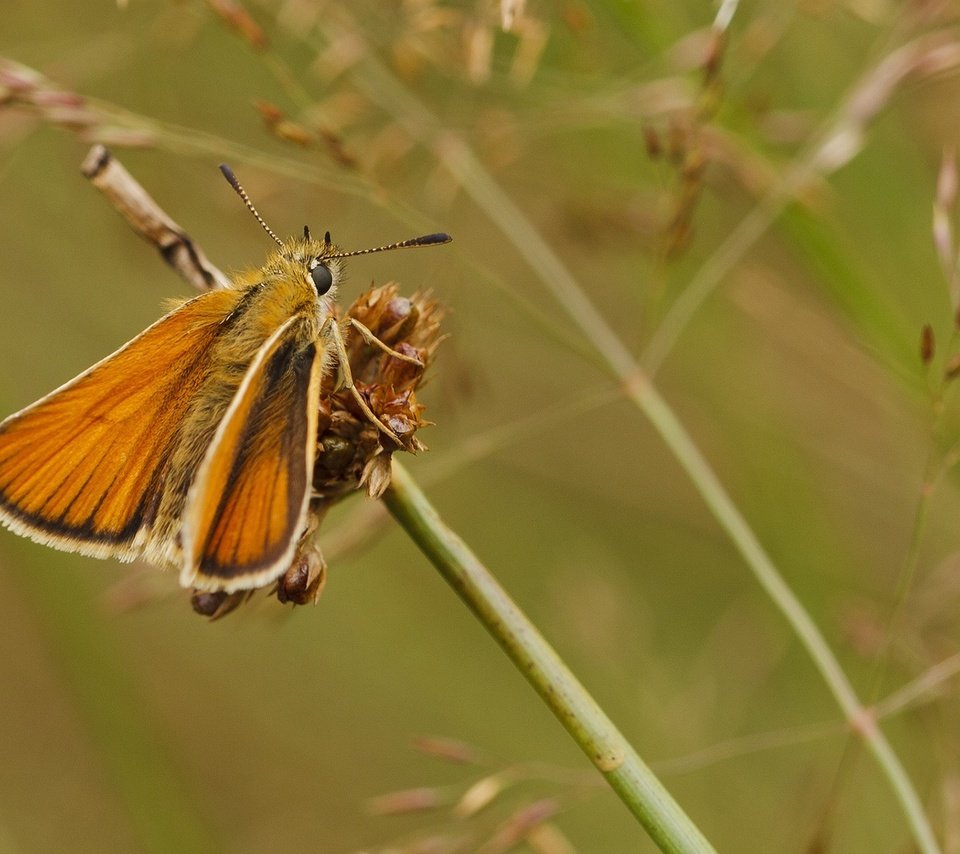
x,y
336,336
373,341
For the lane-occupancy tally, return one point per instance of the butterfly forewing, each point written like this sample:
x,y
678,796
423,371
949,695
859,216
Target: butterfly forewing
x,y
80,469
248,503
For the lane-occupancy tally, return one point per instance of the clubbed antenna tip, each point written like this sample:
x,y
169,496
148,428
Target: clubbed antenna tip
x,y
426,240
430,239
232,180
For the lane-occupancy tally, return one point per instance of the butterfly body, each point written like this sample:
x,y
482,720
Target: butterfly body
x,y
192,445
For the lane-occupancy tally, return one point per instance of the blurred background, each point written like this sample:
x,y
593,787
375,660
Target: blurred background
x,y
749,209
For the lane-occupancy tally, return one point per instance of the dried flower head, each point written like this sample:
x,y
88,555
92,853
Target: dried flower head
x,y
351,451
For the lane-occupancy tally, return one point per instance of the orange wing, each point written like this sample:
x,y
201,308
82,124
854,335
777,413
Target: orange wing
x,y
80,469
248,503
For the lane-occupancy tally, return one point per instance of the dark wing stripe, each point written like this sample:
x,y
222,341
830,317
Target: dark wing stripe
x,y
247,506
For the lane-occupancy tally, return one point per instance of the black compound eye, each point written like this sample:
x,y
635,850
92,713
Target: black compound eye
x,y
322,278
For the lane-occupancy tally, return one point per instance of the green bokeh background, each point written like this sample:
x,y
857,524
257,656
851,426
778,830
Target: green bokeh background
x,y
128,723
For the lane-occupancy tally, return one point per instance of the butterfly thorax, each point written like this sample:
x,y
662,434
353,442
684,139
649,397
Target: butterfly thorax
x,y
265,299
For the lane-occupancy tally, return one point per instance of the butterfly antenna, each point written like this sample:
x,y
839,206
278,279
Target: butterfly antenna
x,y
426,240
232,179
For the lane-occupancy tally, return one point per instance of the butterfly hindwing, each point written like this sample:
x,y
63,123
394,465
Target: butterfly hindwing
x,y
79,467
248,503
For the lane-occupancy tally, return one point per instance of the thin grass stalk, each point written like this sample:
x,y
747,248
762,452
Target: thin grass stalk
x,y
579,713
861,720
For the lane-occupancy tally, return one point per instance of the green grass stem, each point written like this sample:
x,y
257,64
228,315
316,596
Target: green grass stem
x,y
579,713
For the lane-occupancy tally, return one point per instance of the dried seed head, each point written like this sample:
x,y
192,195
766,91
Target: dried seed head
x,y
406,801
519,825
480,795
240,21
351,451
447,749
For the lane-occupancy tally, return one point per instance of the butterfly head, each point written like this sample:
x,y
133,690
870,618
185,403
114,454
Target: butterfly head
x,y
318,261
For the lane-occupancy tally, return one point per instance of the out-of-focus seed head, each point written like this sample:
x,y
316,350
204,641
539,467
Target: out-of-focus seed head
x,y
927,344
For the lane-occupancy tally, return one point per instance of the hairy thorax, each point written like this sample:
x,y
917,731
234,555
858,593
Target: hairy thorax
x,y
264,300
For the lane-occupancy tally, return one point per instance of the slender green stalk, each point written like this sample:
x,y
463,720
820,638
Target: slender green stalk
x,y
908,571
586,722
861,720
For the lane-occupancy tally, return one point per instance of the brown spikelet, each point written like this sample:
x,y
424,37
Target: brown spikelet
x,y
447,749
927,344
405,801
235,16
952,368
282,127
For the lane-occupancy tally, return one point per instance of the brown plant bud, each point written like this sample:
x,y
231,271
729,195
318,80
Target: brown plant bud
x,y
480,795
290,131
652,141
219,603
712,61
405,801
515,829
269,112
282,127
19,79
337,149
303,583
952,368
927,344
240,21
448,749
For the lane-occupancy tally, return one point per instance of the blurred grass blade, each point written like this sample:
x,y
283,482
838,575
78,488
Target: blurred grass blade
x,y
109,703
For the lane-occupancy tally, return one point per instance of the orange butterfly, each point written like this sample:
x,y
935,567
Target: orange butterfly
x,y
193,445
